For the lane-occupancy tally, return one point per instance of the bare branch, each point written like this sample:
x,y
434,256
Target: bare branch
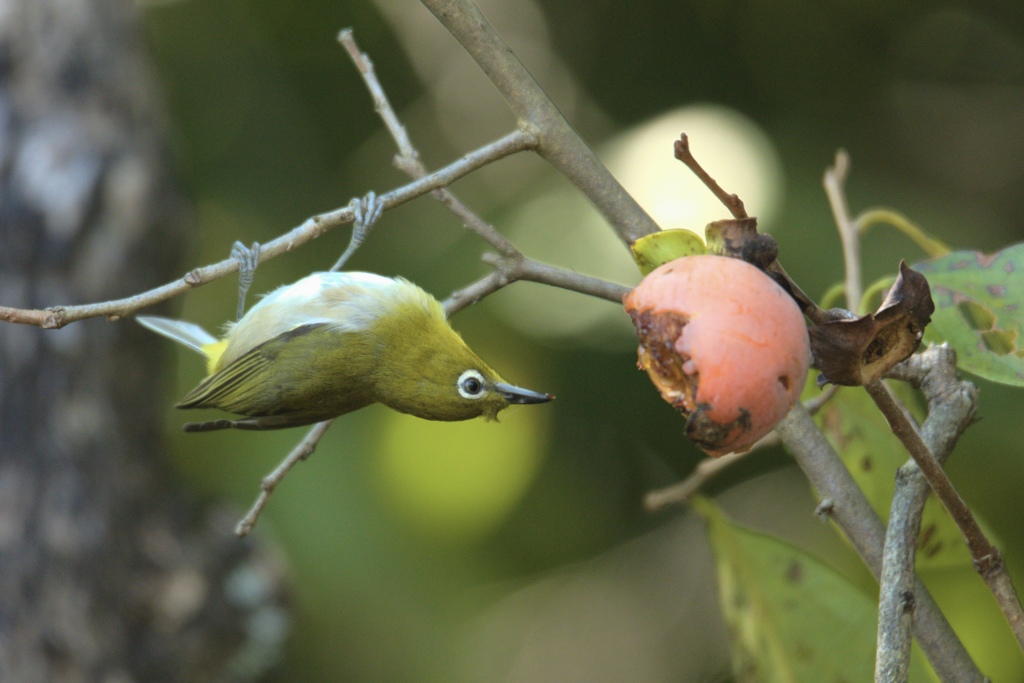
x,y
471,294
819,401
851,511
510,265
301,451
535,271
951,407
408,158
730,201
896,600
511,269
901,426
381,104
835,190
58,316
558,142
988,561
682,491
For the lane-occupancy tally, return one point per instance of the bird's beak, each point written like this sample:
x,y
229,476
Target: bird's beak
x,y
516,395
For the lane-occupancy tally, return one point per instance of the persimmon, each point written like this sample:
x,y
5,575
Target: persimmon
x,y
724,344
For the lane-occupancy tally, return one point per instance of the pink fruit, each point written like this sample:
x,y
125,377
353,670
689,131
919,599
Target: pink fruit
x,y
724,344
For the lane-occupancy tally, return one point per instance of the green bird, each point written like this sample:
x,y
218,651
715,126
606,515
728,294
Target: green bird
x,y
333,343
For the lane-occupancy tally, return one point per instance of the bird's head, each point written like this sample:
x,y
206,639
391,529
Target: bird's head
x,y
427,370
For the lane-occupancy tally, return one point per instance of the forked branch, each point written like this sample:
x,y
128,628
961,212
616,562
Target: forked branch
x,y
58,316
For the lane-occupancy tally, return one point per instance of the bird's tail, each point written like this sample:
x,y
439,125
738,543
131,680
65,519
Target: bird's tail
x,y
187,334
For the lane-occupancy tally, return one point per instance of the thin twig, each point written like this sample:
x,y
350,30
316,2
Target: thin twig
x,y
835,190
819,401
535,271
408,158
512,269
980,547
988,561
381,104
681,492
58,316
730,201
509,265
473,293
851,511
558,142
735,206
301,451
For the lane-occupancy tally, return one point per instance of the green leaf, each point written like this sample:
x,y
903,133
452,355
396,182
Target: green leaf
x,y
792,618
979,310
967,603
651,251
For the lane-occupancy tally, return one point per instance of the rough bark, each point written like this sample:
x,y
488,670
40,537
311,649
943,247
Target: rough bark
x,y
108,572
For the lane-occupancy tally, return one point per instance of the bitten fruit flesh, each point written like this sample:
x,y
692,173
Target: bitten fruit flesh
x,y
724,344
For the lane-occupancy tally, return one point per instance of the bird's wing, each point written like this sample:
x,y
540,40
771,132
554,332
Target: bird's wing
x,y
245,385
185,333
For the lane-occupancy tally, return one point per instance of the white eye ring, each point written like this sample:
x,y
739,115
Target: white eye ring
x,y
471,384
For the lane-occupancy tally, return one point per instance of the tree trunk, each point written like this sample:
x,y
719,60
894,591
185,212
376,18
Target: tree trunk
x,y
108,572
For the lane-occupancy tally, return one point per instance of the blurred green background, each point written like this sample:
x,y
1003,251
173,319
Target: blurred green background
x,y
520,551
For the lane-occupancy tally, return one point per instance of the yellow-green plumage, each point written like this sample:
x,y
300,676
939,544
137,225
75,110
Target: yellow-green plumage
x,y
336,342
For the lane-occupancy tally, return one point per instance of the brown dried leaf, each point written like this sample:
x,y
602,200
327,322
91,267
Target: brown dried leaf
x,y
857,351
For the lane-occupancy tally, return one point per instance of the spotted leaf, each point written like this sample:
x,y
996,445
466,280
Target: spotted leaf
x,y
979,310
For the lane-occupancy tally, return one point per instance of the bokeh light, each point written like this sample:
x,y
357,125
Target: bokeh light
x,y
455,482
729,145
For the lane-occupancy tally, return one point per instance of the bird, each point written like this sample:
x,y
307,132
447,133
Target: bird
x,y
332,343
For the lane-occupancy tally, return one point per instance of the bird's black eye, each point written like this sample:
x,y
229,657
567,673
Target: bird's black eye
x,y
471,384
